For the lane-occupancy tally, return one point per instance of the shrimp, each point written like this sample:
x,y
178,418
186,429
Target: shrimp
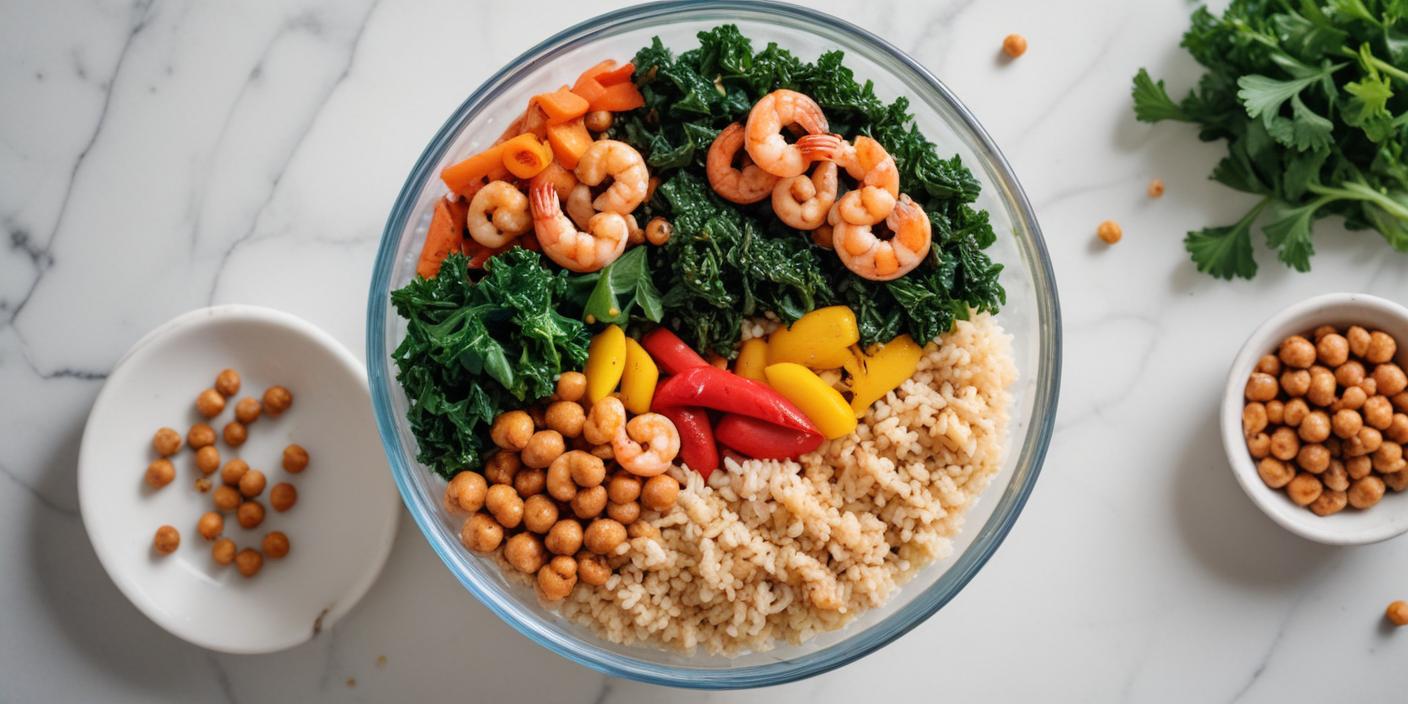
x,y
581,210
883,260
498,213
804,202
763,139
658,434
749,184
625,166
869,164
599,244
605,421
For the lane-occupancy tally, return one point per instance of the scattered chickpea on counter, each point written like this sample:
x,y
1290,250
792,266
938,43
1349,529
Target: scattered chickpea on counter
x,y
1109,231
1014,45
1156,188
1397,613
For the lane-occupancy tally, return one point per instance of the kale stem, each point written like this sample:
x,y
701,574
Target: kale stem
x,y
1358,190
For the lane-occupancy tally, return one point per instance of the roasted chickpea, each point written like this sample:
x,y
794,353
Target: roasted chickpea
x,y
566,417
501,467
1315,427
1381,348
1389,378
589,503
1304,489
597,120
284,495
277,399
1369,387
1014,45
223,551
604,535
248,561
207,459
660,492
543,447
1295,382
1275,412
1378,412
1329,502
1396,613
658,231
1400,401
1313,458
505,504
1268,364
587,472
1332,349
1366,491
225,498
481,533
1369,440
1336,477
234,433
1284,444
227,382
1274,472
1388,458
560,482
571,386
200,435
525,552
602,452
539,513
233,471
295,459
1253,418
1398,429
167,442
1296,411
564,538
629,512
643,529
167,539
557,578
1352,399
275,544
1322,386
247,410
1398,481
210,525
210,403
1261,387
160,473
1358,339
252,483
592,569
1358,467
1349,374
1298,352
623,488
1346,423
528,482
512,430
250,514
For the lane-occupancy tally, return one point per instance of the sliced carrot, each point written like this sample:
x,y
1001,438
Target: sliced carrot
x,y
569,141
445,235
589,90
561,105
620,74
524,156
591,73
618,98
465,177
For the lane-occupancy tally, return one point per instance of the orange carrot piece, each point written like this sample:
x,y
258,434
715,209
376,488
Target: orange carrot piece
x,y
619,98
465,176
569,141
524,156
561,105
589,90
620,74
441,238
591,73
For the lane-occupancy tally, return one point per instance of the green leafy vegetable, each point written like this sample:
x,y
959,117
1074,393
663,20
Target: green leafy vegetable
x,y
616,290
1312,99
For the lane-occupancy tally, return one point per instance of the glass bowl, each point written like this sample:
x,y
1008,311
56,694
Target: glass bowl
x,y
1031,316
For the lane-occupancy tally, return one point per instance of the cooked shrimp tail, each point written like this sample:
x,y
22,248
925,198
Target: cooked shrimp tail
x,y
603,240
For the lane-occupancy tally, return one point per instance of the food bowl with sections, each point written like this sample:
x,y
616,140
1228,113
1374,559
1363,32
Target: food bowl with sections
x,y
1029,316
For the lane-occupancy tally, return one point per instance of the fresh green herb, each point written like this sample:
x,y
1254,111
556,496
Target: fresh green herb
x,y
475,349
1312,98
614,292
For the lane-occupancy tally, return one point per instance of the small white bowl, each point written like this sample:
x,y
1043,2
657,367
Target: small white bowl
x,y
1350,526
340,530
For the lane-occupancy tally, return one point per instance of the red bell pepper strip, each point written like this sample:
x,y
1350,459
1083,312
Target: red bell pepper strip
x,y
762,440
670,352
698,449
722,390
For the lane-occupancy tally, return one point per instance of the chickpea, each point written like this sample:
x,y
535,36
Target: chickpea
x,y
1295,382
1284,444
557,578
566,417
512,430
1369,386
1268,364
223,551
1389,378
1352,399
1304,489
504,503
1396,613
295,459
1358,467
592,569
167,539
481,534
234,433
1156,188
207,459
539,513
658,231
1014,45
1346,423
252,483
210,403
1313,458
525,552
1366,491
1388,458
160,473
571,386
501,467
248,561
200,435
1275,412
1332,349
233,471
1261,387
1321,331
1349,374
565,537
1336,478
1253,418
1315,427
1298,352
1335,446
567,465
210,525
588,471
604,535
543,447
589,503
602,452
167,442
225,498
227,382
1381,348
1398,429
277,399
629,512
275,544
1359,339
660,492
528,482
644,529
247,410
623,488
284,495
1329,502
1295,413
1398,481
250,514
1400,401
1322,386
1378,412
1369,439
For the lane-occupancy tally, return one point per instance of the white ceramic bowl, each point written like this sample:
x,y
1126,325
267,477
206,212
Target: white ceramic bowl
x,y
1350,526
340,529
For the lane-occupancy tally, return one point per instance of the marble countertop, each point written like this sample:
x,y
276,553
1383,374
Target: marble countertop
x,y
160,156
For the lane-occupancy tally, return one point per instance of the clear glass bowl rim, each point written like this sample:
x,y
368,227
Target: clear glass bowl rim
x,y
862,643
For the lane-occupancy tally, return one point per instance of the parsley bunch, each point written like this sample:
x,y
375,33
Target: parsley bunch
x,y
1312,98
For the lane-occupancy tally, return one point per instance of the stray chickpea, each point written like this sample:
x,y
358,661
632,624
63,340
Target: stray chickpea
x,y
1315,427
1397,613
1336,478
295,459
1358,340
1295,382
629,512
660,492
543,447
623,488
525,552
200,435
167,539
1388,458
1304,489
566,417
528,482
235,433
160,473
247,410
248,561
1358,467
539,514
512,430
1253,418
1398,481
1275,412
207,459
252,483
1313,458
275,544
1378,412
571,386
1156,188
557,578
1297,352
250,514
1109,231
1381,348
501,467
167,442
1329,502
1295,413
1261,387
592,569
604,535
1332,350
223,551
210,403
210,525
1366,491
564,538
481,533
1322,386
1398,429
1346,423
1390,379
227,382
658,231
284,495
225,498
277,399
233,471
597,120
589,503
1349,374
1352,399
1284,444
1268,364
505,504
1014,45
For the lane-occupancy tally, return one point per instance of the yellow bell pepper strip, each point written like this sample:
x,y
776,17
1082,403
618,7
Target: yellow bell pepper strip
x,y
524,156
639,379
606,361
880,372
825,406
818,340
752,358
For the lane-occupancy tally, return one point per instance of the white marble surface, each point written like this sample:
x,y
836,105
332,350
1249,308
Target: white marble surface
x,y
159,156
